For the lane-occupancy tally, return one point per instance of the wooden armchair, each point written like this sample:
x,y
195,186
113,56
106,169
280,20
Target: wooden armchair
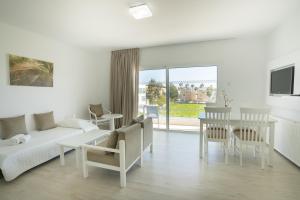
x,y
127,152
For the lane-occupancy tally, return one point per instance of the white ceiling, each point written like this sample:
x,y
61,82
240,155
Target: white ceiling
x,y
95,24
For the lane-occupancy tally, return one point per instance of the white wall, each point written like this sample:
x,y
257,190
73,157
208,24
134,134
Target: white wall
x,y
240,65
284,49
80,78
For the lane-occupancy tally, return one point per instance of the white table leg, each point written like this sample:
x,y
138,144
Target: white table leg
x,y
201,140
112,124
77,157
84,165
62,155
271,143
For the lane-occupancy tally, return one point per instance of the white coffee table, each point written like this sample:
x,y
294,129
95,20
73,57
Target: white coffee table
x,y
112,118
78,140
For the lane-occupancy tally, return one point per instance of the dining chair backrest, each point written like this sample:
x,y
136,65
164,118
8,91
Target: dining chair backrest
x,y
217,122
253,124
208,104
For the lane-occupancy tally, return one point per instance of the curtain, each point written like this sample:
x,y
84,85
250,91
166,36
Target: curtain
x,y
124,84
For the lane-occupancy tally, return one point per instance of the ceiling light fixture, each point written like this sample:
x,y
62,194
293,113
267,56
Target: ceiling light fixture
x,y
140,11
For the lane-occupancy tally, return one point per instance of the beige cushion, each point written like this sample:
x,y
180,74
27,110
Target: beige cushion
x,y
44,121
101,157
138,119
13,126
132,137
216,133
247,137
112,141
97,109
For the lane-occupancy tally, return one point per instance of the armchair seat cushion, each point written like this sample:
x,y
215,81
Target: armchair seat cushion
x,y
102,157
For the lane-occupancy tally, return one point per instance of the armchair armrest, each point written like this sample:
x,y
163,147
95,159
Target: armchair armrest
x,y
147,126
99,148
106,110
92,114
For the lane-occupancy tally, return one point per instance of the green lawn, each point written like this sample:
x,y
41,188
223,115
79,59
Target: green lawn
x,y
184,110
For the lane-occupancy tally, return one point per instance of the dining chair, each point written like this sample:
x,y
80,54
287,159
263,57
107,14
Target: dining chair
x,y
252,131
217,128
210,104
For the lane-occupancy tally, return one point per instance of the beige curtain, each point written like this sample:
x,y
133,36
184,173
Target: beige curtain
x,y
124,81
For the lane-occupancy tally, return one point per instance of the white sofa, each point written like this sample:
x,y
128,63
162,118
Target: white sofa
x,y
15,160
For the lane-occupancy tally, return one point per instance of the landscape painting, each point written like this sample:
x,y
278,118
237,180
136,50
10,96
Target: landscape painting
x,y
30,72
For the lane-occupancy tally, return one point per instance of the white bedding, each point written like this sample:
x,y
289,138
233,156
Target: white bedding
x,y
14,160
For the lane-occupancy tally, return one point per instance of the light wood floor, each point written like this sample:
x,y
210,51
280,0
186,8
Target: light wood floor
x,y
174,171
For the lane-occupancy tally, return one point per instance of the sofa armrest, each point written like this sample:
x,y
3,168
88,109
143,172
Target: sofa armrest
x,y
106,110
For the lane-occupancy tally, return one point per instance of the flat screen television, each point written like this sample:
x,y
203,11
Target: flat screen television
x,y
282,81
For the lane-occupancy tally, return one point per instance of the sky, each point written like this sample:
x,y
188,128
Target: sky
x,y
180,74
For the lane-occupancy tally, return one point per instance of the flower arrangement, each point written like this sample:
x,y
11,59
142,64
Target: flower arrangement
x,y
227,100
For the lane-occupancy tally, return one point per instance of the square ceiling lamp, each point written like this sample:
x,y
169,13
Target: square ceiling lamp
x,y
140,11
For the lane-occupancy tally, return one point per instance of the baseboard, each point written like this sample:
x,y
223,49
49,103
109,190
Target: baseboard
x,y
176,131
290,161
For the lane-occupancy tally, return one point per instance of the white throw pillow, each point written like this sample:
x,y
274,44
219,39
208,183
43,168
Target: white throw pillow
x,y
85,125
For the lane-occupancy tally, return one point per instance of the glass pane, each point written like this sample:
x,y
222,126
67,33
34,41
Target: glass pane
x,y
152,96
190,89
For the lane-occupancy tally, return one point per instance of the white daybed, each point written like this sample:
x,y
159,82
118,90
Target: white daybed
x,y
15,160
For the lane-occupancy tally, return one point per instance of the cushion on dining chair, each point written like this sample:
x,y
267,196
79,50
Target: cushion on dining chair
x,y
216,133
251,136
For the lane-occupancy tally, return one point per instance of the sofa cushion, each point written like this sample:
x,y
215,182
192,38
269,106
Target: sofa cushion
x,y
44,121
12,126
97,109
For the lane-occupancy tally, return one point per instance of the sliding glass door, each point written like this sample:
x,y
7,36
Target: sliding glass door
x,y
174,97
190,89
152,96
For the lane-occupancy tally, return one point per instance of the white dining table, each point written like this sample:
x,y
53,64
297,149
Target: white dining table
x,y
235,122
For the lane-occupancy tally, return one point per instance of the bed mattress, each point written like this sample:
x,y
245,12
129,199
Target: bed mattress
x,y
15,160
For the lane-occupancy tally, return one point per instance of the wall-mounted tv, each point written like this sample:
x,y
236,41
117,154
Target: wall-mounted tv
x,y
282,81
